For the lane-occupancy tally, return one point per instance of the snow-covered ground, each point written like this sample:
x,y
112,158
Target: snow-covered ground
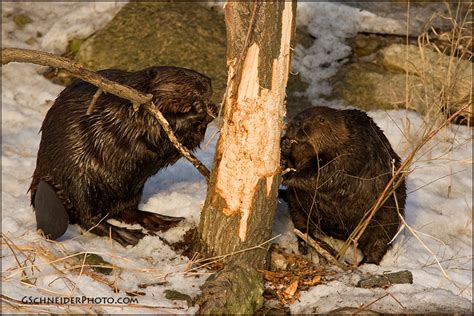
x,y
439,206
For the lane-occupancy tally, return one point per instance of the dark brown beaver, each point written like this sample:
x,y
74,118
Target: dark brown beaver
x,y
343,162
92,167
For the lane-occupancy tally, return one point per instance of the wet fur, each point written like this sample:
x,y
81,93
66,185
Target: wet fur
x,y
98,163
343,162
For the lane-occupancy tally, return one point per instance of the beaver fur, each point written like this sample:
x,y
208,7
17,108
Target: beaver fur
x,y
92,167
343,162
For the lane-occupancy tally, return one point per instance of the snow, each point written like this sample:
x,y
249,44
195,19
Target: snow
x,y
439,206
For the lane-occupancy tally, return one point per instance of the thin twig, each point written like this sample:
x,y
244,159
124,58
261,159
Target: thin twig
x,y
77,70
222,257
150,107
364,307
395,299
426,247
323,252
90,108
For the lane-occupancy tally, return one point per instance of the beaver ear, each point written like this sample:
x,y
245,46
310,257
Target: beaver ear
x,y
151,72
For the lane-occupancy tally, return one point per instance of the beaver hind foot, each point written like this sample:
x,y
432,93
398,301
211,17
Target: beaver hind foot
x,y
122,235
152,222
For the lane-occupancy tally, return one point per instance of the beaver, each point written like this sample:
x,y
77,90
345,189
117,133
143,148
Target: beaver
x,y
92,167
341,162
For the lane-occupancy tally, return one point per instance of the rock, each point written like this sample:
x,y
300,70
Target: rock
x,y
190,35
144,34
436,82
22,19
366,45
391,17
178,296
96,262
428,64
367,86
278,261
447,79
386,280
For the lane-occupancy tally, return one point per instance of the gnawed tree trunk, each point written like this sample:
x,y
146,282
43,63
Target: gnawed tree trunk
x,y
242,193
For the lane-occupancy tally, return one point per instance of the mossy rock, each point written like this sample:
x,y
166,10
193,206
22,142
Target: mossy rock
x,y
190,35
400,77
146,34
368,86
22,19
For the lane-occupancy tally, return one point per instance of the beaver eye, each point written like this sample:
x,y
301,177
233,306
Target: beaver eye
x,y
321,120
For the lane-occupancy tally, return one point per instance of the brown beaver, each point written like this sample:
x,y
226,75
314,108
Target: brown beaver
x,y
92,167
343,162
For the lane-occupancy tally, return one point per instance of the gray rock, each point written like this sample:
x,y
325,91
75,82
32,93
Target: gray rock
x,y
158,33
190,35
390,17
430,65
369,87
387,279
431,82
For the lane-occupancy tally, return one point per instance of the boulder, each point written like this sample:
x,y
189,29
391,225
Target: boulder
x,y
431,82
438,69
369,87
191,35
392,17
145,34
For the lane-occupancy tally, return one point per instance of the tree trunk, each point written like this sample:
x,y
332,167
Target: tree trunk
x,y
242,193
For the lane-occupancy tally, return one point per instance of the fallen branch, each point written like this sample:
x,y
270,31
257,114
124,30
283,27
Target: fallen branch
x,y
323,252
77,70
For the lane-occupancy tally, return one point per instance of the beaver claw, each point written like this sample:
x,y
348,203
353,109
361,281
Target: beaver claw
x,y
150,221
122,235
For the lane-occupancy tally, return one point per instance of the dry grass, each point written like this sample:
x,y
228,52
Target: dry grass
x,y
445,93
41,259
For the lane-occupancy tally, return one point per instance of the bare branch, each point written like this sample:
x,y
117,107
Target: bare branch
x,y
323,252
183,150
77,70
97,94
105,85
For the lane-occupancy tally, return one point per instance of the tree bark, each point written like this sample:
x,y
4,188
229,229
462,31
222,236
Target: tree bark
x,y
242,192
